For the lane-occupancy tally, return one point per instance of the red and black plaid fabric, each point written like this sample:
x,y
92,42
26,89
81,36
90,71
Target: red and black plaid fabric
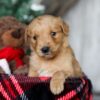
x,y
21,87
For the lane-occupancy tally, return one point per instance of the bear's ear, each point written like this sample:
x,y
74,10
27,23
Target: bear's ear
x,y
64,26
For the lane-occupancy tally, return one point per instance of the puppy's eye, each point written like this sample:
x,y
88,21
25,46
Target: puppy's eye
x,y
34,37
53,33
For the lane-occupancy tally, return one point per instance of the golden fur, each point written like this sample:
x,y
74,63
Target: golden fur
x,y
60,63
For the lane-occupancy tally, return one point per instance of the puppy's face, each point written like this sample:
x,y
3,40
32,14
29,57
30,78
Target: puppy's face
x,y
46,35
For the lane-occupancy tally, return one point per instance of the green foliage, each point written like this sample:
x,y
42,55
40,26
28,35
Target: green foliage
x,y
21,9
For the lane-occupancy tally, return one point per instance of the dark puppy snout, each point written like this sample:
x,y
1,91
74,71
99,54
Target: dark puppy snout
x,y
45,49
16,34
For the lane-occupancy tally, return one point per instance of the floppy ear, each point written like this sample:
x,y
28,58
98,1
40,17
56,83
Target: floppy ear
x,y
27,35
64,27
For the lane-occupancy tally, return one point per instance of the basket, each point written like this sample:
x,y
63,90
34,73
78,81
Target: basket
x,y
22,87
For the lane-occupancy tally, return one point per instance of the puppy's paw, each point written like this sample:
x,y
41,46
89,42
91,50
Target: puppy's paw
x,y
56,86
57,82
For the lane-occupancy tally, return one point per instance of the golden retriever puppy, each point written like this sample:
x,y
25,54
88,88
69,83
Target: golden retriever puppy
x,y
51,54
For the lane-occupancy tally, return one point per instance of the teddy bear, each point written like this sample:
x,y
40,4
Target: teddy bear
x,y
12,49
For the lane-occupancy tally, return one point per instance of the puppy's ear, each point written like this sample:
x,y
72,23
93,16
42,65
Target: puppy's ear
x,y
64,26
27,35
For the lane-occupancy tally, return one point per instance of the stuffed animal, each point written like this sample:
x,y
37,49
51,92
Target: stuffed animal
x,y
11,44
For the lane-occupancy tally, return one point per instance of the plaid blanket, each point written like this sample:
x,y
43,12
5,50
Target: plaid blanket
x,y
21,87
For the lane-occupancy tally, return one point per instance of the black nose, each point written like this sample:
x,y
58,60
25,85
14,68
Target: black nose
x,y
16,34
45,49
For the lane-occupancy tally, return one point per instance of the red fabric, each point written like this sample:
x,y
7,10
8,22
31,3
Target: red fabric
x,y
22,87
10,54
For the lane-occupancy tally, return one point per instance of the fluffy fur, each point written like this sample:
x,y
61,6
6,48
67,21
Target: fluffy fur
x,y
59,62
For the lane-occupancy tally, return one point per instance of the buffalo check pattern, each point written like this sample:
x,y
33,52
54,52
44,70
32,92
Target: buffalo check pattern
x,y
21,87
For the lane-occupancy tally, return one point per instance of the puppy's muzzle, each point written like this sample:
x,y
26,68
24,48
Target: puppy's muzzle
x,y
45,50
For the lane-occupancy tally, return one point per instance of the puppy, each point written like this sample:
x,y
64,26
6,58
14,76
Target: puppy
x,y
51,54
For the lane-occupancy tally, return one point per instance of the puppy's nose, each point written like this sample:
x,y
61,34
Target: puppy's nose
x,y
45,49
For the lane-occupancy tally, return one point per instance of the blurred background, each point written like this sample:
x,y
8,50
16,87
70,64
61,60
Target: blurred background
x,y
83,17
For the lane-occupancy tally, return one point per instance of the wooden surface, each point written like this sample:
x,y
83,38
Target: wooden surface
x,y
58,7
84,21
